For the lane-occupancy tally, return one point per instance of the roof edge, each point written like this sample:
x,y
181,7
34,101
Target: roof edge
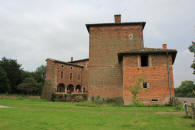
x,y
62,62
116,24
141,51
80,60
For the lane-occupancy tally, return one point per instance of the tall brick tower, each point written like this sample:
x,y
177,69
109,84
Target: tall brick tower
x,y
106,40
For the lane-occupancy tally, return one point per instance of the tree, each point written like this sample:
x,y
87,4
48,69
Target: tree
x,y
28,86
134,89
186,89
192,49
13,70
39,74
4,81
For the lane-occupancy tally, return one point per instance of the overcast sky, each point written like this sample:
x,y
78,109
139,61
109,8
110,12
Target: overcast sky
x,y
33,30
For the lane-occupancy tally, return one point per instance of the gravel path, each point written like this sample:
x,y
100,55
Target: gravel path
x,y
1,106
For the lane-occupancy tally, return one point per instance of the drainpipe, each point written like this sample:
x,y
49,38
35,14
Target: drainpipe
x,y
169,77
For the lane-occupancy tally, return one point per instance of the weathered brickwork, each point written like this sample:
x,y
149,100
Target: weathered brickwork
x,y
84,72
156,74
117,58
105,74
66,75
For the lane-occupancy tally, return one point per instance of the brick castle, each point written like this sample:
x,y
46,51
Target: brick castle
x,y
117,59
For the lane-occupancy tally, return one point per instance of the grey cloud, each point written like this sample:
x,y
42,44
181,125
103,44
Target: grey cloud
x,y
31,31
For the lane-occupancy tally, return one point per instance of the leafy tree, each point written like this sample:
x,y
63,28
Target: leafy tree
x,y
13,70
192,49
25,74
28,86
39,74
186,89
4,81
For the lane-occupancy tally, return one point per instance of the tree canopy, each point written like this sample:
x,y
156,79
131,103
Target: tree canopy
x,y
192,49
13,70
28,86
16,80
186,89
4,81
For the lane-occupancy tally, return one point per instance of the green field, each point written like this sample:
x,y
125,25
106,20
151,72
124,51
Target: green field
x,y
37,114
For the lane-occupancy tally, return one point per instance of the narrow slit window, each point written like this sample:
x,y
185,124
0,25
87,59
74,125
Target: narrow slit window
x,y
62,74
70,76
144,60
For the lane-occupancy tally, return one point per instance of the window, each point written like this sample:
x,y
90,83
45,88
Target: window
x,y
145,85
70,76
70,67
155,100
79,77
61,74
144,60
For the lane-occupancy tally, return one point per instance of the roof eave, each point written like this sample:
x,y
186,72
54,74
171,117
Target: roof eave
x,y
114,24
120,55
62,62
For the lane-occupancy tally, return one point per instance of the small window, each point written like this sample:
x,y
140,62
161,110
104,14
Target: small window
x,y
145,85
79,76
144,60
61,74
70,67
70,76
62,66
155,100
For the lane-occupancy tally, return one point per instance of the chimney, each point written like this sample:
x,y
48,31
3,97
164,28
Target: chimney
x,y
164,46
71,59
117,18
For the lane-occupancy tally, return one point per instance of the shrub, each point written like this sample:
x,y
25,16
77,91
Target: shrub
x,y
98,100
114,101
79,98
92,99
53,97
28,86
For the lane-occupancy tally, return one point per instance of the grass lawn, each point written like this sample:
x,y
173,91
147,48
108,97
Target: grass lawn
x,y
37,114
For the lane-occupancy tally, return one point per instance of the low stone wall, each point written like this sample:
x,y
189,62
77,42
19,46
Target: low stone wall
x,y
188,100
71,97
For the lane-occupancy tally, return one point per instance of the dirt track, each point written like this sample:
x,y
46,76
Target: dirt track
x,y
4,106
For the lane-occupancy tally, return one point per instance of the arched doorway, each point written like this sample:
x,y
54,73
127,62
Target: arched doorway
x,y
70,88
61,87
78,89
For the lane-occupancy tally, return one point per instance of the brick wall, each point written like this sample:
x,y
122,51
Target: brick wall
x,y
51,80
85,65
54,74
156,74
105,73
